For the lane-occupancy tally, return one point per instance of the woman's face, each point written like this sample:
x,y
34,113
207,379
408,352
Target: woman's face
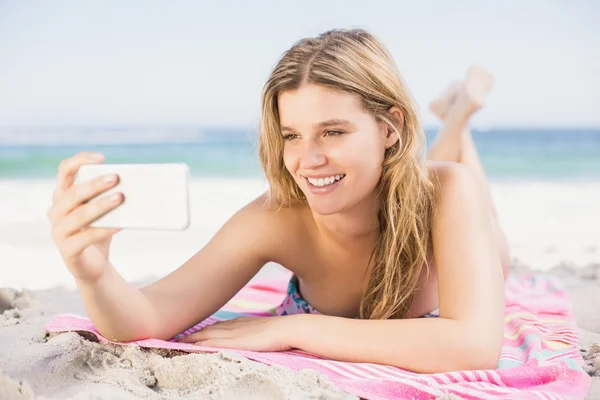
x,y
333,148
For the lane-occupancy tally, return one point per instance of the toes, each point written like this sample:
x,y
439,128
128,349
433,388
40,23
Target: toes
x,y
478,86
440,105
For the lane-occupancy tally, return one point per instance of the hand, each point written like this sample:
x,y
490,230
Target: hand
x,y
84,250
247,333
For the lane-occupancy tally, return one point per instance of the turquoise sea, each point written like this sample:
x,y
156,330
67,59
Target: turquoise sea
x,y
507,154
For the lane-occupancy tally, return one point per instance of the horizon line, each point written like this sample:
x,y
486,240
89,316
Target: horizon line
x,y
479,127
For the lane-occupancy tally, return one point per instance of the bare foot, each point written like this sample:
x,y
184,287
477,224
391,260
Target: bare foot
x,y
478,85
440,105
471,95
472,92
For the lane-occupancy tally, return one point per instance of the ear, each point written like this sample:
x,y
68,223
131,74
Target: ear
x,y
392,136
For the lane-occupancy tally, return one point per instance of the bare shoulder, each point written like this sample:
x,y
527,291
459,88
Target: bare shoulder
x,y
278,229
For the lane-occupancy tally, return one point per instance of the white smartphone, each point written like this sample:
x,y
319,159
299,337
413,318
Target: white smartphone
x,y
156,195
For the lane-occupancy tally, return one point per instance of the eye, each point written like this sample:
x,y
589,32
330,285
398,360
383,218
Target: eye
x,y
290,136
334,133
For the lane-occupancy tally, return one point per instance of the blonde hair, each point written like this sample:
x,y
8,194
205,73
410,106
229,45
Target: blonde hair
x,y
355,61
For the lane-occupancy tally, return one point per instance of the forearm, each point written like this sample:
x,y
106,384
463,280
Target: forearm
x,y
426,345
119,311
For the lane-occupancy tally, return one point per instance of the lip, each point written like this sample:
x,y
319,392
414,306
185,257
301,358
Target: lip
x,y
325,189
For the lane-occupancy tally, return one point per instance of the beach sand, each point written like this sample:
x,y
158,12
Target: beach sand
x,y
550,226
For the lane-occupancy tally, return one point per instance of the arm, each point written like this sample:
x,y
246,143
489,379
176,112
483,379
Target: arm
x,y
188,295
469,332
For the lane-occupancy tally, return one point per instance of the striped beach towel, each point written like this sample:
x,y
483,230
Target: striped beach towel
x,y
540,358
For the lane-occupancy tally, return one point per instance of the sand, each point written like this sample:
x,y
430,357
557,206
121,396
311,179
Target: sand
x,y
551,227
69,366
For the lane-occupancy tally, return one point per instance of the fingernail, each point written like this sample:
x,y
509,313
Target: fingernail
x,y
110,178
96,156
115,198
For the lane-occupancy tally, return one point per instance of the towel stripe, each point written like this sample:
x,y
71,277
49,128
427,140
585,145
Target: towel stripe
x,y
540,357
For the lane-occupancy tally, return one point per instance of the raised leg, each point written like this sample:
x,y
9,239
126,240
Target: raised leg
x,y
447,143
455,143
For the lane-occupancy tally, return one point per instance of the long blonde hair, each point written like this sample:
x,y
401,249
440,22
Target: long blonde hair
x,y
355,61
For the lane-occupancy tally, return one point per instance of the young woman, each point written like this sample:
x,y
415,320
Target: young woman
x,y
378,236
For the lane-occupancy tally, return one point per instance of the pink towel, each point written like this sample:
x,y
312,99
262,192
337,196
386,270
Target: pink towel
x,y
540,358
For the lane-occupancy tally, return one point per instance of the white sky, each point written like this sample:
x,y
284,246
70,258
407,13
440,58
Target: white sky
x,y
196,63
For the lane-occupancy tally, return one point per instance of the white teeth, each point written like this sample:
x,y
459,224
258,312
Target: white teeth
x,y
325,181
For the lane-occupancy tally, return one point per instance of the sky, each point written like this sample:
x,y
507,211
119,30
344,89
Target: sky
x,y
189,63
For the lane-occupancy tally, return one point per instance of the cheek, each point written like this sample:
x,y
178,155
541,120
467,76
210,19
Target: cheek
x,y
289,159
366,169
364,157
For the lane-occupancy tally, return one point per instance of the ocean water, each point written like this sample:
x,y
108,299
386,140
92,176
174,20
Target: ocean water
x,y
507,154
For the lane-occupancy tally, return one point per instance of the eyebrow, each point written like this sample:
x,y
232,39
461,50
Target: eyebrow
x,y
324,124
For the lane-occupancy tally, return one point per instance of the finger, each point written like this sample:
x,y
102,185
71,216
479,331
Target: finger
x,y
221,343
76,243
88,213
206,334
81,193
234,321
218,325
238,343
230,324
67,170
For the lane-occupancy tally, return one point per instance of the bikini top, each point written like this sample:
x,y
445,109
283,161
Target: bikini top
x,y
294,303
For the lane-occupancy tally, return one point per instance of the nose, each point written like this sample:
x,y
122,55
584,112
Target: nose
x,y
312,156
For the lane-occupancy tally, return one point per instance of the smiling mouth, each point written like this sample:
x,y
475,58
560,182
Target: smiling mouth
x,y
324,182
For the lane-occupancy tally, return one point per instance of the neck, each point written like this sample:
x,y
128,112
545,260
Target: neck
x,y
359,224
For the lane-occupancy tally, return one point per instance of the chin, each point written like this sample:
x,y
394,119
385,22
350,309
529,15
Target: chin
x,y
324,207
